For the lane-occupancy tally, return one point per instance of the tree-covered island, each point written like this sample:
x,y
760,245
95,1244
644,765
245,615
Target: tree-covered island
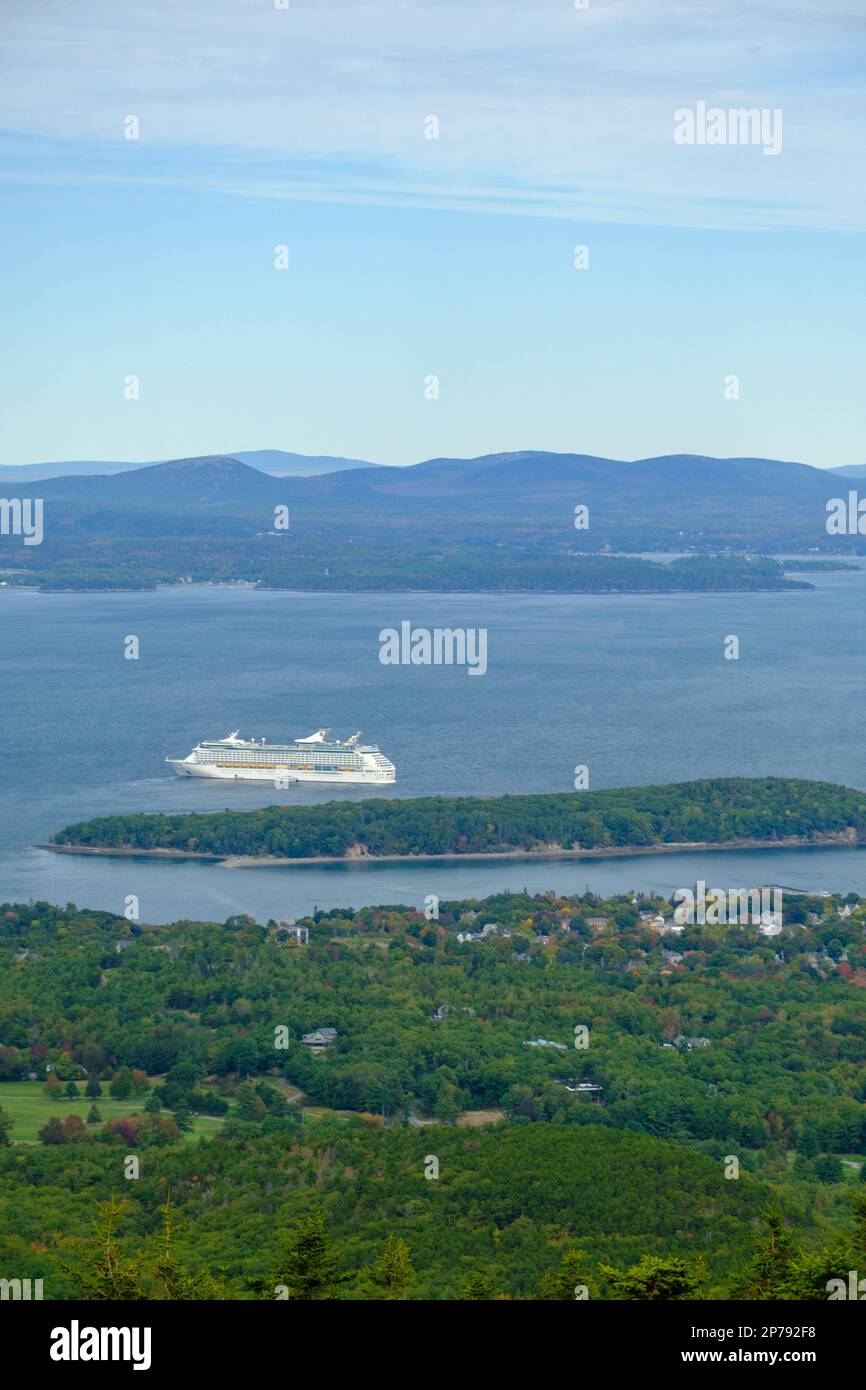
x,y
718,812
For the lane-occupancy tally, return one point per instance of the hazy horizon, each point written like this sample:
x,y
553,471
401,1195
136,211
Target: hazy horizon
x,y
240,454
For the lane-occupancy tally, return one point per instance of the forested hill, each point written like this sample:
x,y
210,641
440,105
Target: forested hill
x,y
718,811
515,522
122,1038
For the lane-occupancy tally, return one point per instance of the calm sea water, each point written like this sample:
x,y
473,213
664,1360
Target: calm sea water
x,y
635,687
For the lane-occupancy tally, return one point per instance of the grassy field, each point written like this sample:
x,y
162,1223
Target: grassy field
x,y
474,1119
29,1107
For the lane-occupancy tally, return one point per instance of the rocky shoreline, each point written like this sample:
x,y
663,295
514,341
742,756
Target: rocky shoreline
x,y
835,840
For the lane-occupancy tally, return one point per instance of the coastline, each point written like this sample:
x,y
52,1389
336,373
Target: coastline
x,y
795,586
833,840
833,561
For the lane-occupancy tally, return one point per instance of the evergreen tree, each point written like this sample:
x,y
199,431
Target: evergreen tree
x,y
171,1279
566,1283
655,1279
93,1116
99,1269
393,1272
71,1091
250,1105
477,1287
768,1274
309,1267
93,1089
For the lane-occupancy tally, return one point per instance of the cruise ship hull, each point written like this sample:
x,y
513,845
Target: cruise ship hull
x,y
354,777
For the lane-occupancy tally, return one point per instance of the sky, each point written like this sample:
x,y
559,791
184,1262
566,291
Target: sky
x,y
720,309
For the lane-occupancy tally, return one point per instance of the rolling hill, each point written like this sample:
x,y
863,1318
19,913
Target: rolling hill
x,y
277,462
212,481
744,495
525,472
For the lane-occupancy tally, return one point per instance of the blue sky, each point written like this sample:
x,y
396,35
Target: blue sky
x,y
411,257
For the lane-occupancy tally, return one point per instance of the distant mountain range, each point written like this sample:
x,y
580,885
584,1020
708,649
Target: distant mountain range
x,y
274,461
748,498
498,521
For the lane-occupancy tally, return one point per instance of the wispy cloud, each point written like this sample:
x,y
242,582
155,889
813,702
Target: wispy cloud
x,y
543,109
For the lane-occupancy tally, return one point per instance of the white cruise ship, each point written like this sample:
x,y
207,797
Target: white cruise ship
x,y
314,759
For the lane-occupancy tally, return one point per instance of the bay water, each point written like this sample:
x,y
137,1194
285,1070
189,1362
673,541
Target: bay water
x,y
635,687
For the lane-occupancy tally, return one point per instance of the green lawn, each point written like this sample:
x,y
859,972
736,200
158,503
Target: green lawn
x,y
29,1107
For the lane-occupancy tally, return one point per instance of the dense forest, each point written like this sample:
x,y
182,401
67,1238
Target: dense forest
x,y
708,1044
717,811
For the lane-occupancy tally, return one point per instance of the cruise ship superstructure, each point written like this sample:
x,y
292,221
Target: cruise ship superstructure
x,y
317,758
